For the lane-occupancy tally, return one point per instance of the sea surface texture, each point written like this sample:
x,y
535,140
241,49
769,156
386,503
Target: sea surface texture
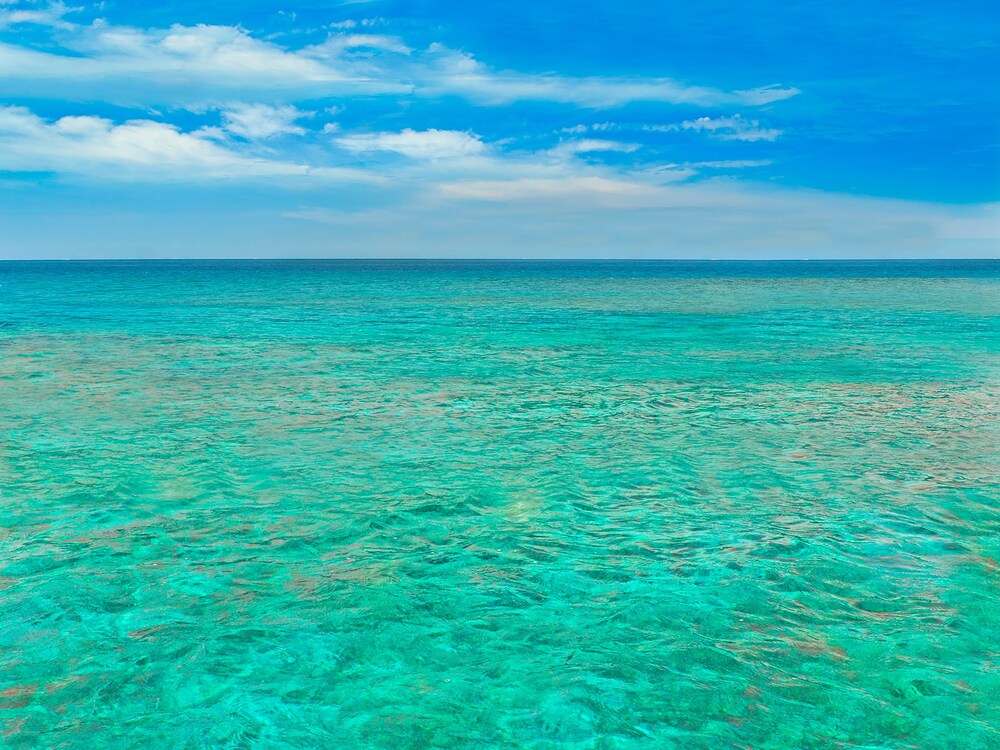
x,y
536,505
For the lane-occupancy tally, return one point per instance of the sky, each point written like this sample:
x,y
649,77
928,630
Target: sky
x,y
500,128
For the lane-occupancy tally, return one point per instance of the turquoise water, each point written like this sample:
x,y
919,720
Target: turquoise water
x,y
499,505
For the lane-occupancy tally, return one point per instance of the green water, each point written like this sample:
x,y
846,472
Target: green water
x,y
439,505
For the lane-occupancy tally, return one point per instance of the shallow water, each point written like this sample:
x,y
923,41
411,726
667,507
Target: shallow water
x,y
499,505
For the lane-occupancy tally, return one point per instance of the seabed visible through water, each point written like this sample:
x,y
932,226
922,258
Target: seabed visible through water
x,y
499,505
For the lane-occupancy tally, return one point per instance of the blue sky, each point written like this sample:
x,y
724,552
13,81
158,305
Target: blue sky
x,y
499,129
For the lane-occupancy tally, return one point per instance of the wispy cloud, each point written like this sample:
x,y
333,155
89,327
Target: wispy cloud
x,y
591,145
735,128
597,127
187,66
257,122
352,23
452,72
52,15
207,65
335,46
719,164
417,144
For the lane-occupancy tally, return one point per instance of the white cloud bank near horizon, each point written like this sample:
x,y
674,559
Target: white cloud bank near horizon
x,y
571,220
613,217
452,194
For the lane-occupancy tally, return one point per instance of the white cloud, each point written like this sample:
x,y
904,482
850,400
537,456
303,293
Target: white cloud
x,y
460,73
97,148
735,128
720,164
51,15
194,66
730,164
204,65
194,50
588,145
335,46
257,122
417,144
351,23
597,127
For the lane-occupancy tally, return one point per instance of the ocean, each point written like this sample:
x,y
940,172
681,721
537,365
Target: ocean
x,y
484,504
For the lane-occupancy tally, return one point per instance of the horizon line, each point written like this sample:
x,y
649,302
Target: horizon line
x,y
498,259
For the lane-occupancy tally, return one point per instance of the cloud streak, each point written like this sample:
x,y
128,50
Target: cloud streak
x,y
197,66
453,72
735,128
594,145
192,66
427,144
